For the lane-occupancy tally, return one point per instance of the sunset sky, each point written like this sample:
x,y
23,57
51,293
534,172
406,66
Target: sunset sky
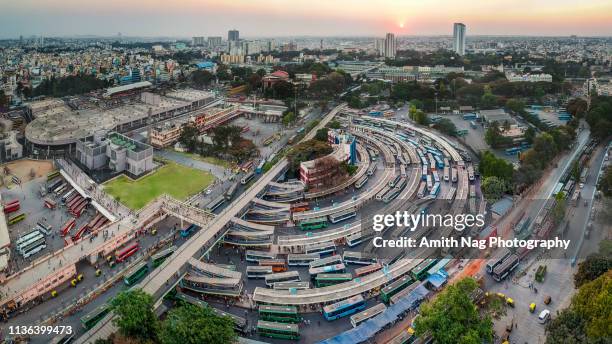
x,y
185,18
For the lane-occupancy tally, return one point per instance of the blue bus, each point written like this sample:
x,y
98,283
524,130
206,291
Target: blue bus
x,y
344,308
435,189
186,231
259,167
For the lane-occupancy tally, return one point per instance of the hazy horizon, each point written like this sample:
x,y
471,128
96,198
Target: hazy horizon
x,y
314,18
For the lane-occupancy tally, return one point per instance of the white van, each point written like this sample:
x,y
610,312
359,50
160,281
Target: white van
x,y
544,316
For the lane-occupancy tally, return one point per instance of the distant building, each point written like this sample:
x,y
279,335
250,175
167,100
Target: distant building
x,y
207,65
322,171
10,148
459,38
271,79
379,46
198,41
390,47
512,77
233,35
496,115
214,41
116,152
232,59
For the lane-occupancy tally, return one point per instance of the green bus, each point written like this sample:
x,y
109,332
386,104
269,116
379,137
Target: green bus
x,y
394,288
278,330
136,273
316,223
284,314
160,257
420,271
92,318
191,300
17,218
324,280
53,174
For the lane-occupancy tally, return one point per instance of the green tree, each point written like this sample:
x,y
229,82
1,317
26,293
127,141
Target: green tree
x,y
605,185
530,135
488,100
515,105
591,268
202,78
494,137
321,134
493,188
135,316
189,324
446,126
189,137
289,118
333,124
558,212
452,317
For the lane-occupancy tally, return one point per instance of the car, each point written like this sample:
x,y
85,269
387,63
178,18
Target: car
x,y
208,191
581,185
544,316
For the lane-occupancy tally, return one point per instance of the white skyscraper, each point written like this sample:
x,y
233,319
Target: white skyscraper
x,y
390,46
459,38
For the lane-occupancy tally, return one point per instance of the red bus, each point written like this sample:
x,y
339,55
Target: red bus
x,y
7,204
68,226
301,206
11,207
245,129
79,233
367,269
126,252
278,265
74,201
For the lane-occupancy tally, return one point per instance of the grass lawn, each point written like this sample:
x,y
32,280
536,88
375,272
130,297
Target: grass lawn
x,y
208,159
176,180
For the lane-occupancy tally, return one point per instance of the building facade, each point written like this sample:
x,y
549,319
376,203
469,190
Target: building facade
x,y
390,46
459,38
233,35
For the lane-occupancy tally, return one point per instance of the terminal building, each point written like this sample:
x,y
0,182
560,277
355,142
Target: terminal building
x,y
56,128
116,152
321,171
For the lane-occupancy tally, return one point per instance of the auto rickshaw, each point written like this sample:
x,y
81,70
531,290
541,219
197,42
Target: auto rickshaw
x,y
510,302
80,277
532,307
98,272
73,282
154,231
502,295
53,293
547,299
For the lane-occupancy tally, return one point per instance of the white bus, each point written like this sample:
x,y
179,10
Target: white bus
x,y
343,215
357,319
359,258
331,260
454,175
258,271
288,276
34,248
302,259
361,182
247,178
421,192
256,256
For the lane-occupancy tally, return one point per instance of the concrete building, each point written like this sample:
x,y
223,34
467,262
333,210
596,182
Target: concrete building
x,y
116,152
233,35
215,41
496,115
379,46
198,41
390,46
270,79
512,77
321,172
459,38
10,148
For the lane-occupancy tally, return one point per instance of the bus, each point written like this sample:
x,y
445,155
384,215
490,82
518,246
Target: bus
x,y
368,269
160,257
325,280
289,276
29,241
435,189
436,177
321,248
231,191
429,182
188,230
302,259
357,319
299,207
454,175
344,308
33,248
391,195
421,192
470,171
420,271
343,215
126,252
331,260
278,265
258,271
53,175
499,256
17,218
54,185
92,318
256,256
291,285
394,287
450,195
381,194
316,223
26,237
371,169
278,330
403,171
424,171
403,293
45,228
136,273
247,178
63,338
360,258
68,195
505,267
284,314
522,224
361,182
394,181
329,269
259,167
216,203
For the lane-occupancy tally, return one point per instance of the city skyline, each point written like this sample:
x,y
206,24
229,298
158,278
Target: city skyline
x,y
186,18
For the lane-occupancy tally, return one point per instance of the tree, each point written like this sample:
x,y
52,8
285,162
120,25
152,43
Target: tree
x,y
321,134
202,78
493,136
488,100
558,212
189,324
599,117
605,185
452,317
577,107
288,118
493,188
333,124
530,135
591,268
135,316
189,137
567,327
446,126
